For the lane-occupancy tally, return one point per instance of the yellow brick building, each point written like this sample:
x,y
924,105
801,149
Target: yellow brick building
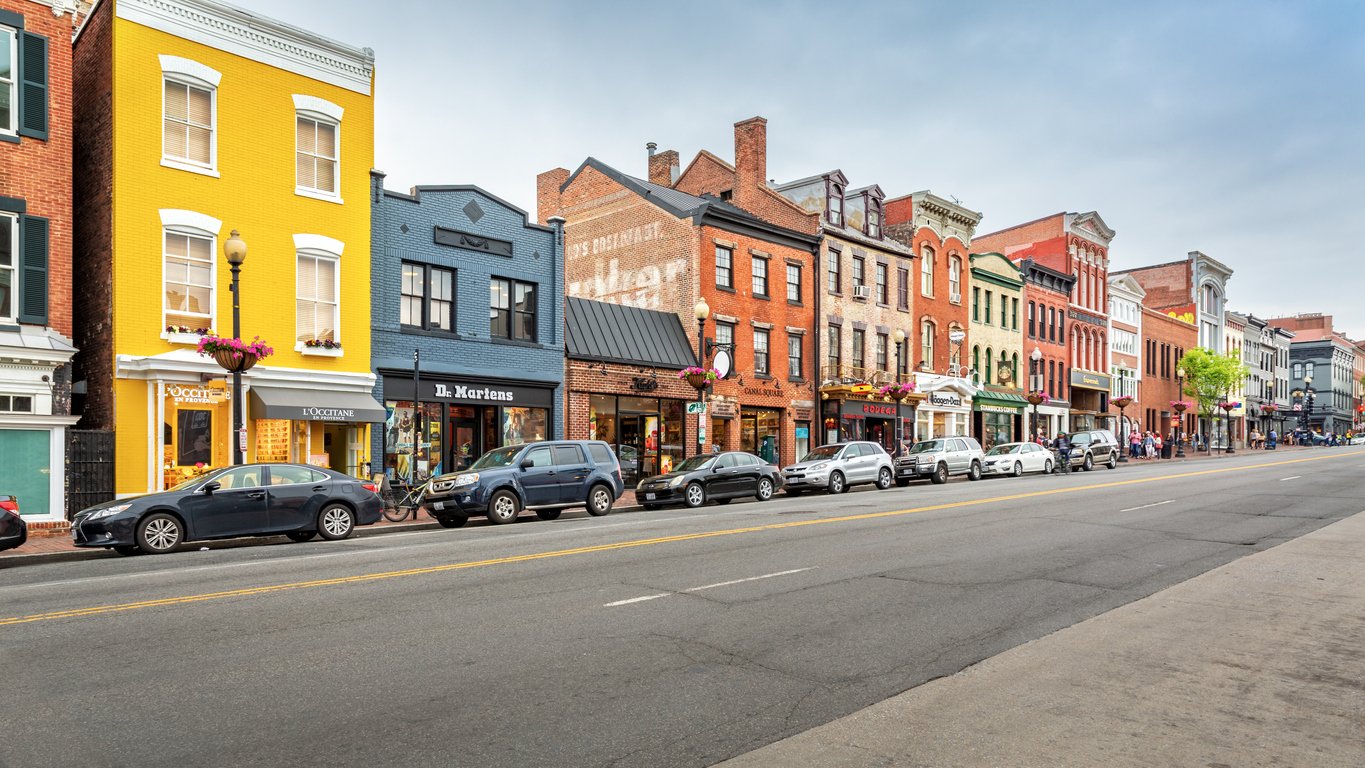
x,y
195,119
997,339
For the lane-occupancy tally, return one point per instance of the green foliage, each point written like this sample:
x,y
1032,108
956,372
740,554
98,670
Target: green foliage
x,y
1210,377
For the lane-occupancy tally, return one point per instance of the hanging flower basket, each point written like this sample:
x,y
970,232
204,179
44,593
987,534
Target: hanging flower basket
x,y
1180,406
699,378
234,355
1122,402
1229,405
1038,397
897,392
1269,408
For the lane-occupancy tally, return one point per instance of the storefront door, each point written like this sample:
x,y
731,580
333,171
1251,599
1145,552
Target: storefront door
x,y
466,435
639,440
760,432
25,455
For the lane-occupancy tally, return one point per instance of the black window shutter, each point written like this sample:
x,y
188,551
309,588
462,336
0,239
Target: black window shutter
x,y
32,85
33,249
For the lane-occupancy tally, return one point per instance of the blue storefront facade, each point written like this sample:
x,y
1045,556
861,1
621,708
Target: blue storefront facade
x,y
468,327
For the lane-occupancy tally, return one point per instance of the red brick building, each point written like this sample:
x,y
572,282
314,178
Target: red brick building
x,y
1076,244
1165,339
35,254
646,244
1047,294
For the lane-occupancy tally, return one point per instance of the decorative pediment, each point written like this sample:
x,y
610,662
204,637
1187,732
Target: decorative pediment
x,y
1092,227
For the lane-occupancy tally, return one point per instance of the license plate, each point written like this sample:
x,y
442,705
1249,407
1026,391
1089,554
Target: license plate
x,y
438,505
649,497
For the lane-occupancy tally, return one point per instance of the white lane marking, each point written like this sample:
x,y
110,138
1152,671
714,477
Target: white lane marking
x,y
751,578
708,586
1291,477
1144,506
637,600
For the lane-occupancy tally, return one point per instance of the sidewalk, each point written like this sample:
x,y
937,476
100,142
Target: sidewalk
x,y
1279,683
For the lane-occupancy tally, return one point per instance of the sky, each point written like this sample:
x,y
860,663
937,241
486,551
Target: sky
x,y
1233,128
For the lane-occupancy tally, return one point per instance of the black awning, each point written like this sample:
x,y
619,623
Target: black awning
x,y
314,405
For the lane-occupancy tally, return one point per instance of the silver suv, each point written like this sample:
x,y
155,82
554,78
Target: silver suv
x,y
1094,446
838,466
939,458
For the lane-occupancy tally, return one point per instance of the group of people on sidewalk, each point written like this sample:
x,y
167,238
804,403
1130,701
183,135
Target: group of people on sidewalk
x,y
1147,445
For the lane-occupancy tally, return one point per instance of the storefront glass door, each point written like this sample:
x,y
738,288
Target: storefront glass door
x,y
466,436
760,432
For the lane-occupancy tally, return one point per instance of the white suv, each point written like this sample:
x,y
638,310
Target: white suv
x,y
940,457
838,466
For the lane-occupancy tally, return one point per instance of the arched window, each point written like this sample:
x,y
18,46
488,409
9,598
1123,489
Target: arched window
x,y
1014,368
926,271
976,358
988,379
188,270
1032,333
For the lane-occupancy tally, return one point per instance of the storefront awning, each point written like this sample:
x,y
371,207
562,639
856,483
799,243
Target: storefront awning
x,y
999,401
313,405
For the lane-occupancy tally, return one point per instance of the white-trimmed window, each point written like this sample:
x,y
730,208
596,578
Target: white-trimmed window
x,y
926,271
16,404
189,114
317,142
316,309
9,273
188,279
9,70
955,285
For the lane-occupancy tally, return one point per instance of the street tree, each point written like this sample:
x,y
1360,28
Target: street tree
x,y
1210,377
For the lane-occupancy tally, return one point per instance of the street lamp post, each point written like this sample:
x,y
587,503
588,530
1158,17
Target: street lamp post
x,y
1227,425
235,249
702,310
899,338
1180,415
1035,359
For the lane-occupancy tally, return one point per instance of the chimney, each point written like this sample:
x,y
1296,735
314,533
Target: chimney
x,y
547,193
663,166
751,162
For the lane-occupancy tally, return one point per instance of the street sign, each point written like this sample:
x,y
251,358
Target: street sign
x,y
701,436
696,407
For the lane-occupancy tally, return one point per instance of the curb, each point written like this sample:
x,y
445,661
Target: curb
x,y
36,558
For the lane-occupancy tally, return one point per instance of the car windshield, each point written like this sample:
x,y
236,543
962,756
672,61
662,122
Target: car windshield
x,y
694,463
927,446
823,452
1001,450
501,457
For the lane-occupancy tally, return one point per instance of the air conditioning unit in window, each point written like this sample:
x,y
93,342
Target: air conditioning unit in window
x,y
860,292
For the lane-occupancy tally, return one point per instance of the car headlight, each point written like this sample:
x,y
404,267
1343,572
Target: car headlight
x,y
677,481
467,479
818,467
108,511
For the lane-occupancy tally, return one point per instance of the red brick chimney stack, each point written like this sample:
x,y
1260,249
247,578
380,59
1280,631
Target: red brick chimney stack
x,y
547,193
663,166
751,162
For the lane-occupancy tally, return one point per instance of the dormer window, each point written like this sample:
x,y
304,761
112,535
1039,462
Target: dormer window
x,y
835,210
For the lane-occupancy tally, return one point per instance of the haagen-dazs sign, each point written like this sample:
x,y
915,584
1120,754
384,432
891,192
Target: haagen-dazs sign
x,y
945,399
464,392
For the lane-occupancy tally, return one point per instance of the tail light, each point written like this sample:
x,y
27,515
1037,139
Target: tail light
x,y
371,487
10,505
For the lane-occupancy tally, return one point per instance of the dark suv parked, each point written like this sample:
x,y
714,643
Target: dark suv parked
x,y
1094,446
546,476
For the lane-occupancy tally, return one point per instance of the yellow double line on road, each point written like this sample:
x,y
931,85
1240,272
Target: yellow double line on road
x,y
370,577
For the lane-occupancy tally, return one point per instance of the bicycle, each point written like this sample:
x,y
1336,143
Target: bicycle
x,y
396,508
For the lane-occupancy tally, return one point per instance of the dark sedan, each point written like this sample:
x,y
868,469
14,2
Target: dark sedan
x,y
248,500
13,529
717,477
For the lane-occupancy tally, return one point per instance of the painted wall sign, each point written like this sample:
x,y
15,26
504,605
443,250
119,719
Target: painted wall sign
x,y
641,287
626,237
470,242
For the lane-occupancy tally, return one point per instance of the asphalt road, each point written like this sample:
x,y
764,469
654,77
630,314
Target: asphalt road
x,y
668,638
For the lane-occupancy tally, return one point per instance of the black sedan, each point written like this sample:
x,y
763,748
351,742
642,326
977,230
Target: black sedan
x,y
719,477
13,529
248,500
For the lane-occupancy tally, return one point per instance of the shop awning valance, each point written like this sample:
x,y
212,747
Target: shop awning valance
x,y
314,405
998,400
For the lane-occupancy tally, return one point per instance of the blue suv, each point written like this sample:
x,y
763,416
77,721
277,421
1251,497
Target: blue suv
x,y
546,476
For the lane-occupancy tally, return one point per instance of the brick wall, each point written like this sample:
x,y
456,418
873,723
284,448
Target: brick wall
x,y
93,195
1160,386
1056,354
938,308
1168,286
584,378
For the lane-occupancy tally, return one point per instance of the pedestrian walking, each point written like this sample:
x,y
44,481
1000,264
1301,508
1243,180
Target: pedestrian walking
x,y
1063,447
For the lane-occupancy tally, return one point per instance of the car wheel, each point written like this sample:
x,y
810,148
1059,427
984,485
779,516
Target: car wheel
x,y
1089,463
1018,469
836,482
336,522
765,489
901,482
159,533
452,521
549,514
301,536
127,550
503,508
884,479
694,496
599,500
650,507
1047,467
940,475
975,472
1113,461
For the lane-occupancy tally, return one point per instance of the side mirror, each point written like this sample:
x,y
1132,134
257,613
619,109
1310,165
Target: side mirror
x,y
527,464
209,488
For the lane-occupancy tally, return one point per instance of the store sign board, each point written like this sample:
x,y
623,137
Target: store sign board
x,y
471,391
945,399
996,408
1089,380
192,394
